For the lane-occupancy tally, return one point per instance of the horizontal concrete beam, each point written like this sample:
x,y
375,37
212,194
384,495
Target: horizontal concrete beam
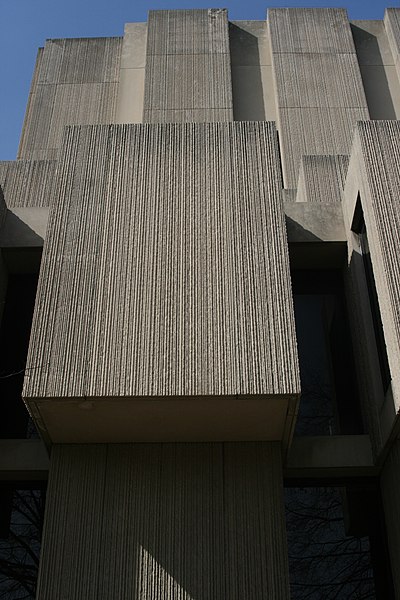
x,y
314,222
330,456
24,227
23,460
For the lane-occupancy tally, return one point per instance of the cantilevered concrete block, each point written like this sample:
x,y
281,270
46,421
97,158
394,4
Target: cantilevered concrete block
x,y
164,308
78,76
188,71
319,91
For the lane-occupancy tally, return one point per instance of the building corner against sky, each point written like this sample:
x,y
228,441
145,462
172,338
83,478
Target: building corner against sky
x,y
199,303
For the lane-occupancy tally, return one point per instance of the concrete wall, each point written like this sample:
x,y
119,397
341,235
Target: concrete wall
x,y
170,239
322,178
374,175
251,66
164,521
318,84
131,74
28,183
378,70
188,74
75,82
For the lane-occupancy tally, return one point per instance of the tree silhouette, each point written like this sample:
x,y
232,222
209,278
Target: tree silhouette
x,y
324,562
20,545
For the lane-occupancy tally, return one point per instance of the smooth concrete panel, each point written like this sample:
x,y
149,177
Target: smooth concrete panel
x,y
130,96
164,521
378,71
330,456
24,227
176,254
312,222
249,43
132,74
253,94
133,53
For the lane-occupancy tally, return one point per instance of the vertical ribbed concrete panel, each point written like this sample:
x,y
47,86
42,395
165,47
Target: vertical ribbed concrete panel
x,y
374,173
75,82
390,489
322,178
164,521
28,182
318,84
188,71
165,270
392,26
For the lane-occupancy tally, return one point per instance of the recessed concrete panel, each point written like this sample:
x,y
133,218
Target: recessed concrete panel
x,y
187,259
165,521
377,67
130,96
249,43
133,53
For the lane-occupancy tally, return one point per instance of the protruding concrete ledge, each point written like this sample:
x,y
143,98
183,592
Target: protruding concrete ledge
x,y
312,222
23,460
24,227
330,456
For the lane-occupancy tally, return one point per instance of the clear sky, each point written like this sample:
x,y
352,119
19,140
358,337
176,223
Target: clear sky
x,y
27,23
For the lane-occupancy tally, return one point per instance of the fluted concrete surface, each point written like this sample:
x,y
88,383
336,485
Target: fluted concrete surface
x,y
28,182
374,177
392,26
322,178
164,521
188,73
165,271
318,84
378,145
75,82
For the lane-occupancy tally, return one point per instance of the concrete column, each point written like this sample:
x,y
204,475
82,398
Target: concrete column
x,y
170,521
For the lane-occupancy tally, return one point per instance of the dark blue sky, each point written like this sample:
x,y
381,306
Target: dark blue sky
x,y
27,23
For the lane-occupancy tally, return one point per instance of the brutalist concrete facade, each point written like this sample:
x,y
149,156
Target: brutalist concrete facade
x,y
179,179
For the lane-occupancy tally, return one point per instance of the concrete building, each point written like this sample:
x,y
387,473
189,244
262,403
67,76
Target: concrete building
x,y
213,209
